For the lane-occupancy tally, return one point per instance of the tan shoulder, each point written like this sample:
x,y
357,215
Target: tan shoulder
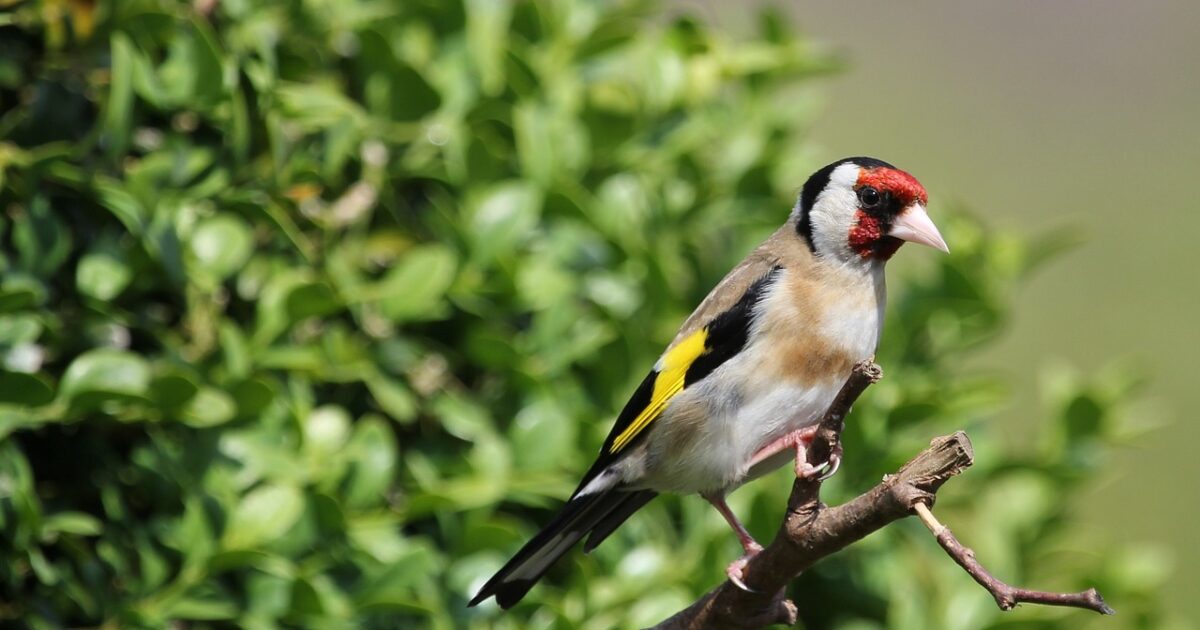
x,y
782,248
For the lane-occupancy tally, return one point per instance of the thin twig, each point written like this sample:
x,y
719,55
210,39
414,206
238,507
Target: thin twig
x,y
1007,597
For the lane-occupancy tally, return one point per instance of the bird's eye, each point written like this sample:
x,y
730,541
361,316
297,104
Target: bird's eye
x,y
869,197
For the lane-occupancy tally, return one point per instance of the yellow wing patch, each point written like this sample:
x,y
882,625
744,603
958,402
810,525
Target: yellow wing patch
x,y
675,364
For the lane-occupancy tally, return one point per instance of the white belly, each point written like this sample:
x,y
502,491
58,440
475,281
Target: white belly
x,y
720,424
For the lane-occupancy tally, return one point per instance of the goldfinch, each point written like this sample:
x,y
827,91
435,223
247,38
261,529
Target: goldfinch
x,y
741,388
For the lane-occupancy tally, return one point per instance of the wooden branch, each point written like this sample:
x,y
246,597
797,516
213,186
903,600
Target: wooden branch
x,y
812,531
1007,597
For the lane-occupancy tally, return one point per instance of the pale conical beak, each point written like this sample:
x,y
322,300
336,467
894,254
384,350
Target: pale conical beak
x,y
913,224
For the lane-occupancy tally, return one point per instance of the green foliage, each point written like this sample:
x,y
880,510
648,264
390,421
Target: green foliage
x,y
310,311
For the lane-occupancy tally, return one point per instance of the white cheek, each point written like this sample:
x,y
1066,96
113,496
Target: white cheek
x,y
833,212
832,219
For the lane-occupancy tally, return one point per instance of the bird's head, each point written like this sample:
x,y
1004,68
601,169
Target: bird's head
x,y
863,209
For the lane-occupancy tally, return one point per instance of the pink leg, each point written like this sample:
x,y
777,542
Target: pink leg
x,y
748,543
751,546
799,440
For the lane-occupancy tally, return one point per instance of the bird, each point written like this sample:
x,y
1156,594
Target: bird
x,y
741,388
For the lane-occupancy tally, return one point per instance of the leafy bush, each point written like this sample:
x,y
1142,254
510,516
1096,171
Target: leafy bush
x,y
310,311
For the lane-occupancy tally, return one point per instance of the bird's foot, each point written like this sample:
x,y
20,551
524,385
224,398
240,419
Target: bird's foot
x,y
834,462
796,440
737,567
819,472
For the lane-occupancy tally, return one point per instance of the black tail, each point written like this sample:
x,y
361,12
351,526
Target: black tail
x,y
630,503
600,514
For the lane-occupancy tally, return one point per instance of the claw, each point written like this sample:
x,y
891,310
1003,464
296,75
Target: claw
x,y
735,569
833,463
805,470
822,471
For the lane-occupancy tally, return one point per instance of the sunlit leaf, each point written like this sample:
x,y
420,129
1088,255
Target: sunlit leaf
x,y
76,523
208,407
221,245
502,217
326,429
372,451
105,372
102,275
415,287
262,516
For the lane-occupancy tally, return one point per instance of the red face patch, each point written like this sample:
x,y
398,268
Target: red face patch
x,y
865,232
903,186
868,240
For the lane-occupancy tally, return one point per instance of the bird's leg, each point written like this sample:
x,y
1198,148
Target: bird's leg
x,y
799,440
749,545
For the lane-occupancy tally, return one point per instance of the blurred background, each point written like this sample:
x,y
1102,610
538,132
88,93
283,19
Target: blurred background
x,y
312,312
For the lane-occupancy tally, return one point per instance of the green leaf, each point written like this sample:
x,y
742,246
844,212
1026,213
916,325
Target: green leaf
x,y
221,245
102,275
317,106
268,595
234,349
379,536
192,534
76,523
263,515
412,96
502,218
462,417
105,373
118,114
19,328
171,388
252,397
204,609
290,296
550,142
413,564
113,195
42,568
393,398
14,418
487,39
543,433
208,408
1083,416
24,389
43,242
414,289
19,292
312,300
372,458
326,429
